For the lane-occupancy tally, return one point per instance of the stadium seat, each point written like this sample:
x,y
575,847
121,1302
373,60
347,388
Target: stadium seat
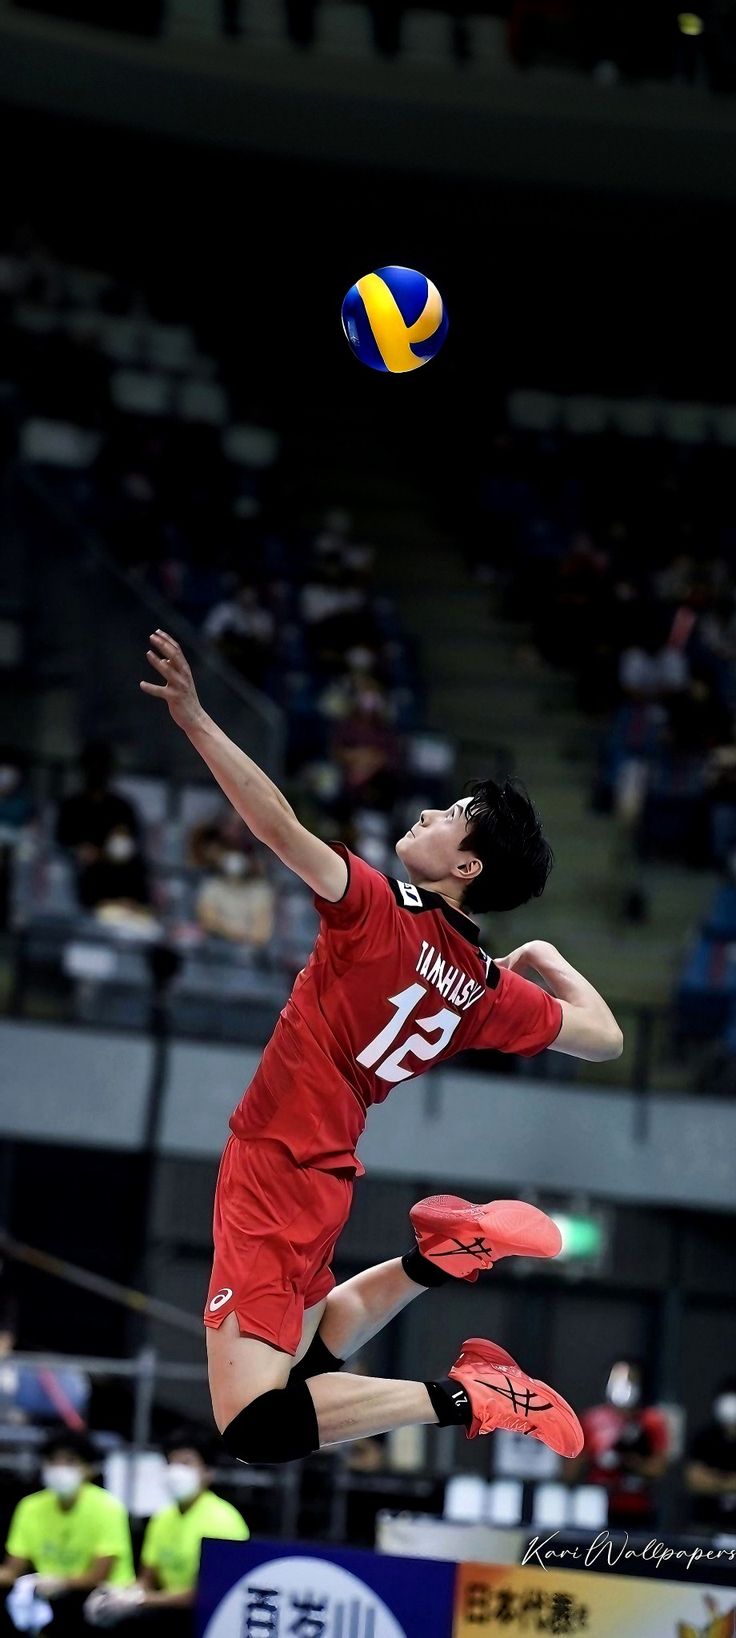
x,y
84,285
584,415
534,411
202,401
488,43
425,36
636,417
37,320
504,1501
57,443
122,339
551,1506
141,392
686,423
723,422
466,1498
150,799
344,28
251,446
170,346
589,1507
11,273
264,22
193,19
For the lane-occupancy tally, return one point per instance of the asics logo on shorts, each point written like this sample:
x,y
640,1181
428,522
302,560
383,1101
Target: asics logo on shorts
x,y
220,1298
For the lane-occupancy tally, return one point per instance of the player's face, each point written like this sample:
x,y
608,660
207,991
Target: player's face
x,y
432,849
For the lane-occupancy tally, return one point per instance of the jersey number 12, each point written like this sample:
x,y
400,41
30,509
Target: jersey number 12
x,y
442,1024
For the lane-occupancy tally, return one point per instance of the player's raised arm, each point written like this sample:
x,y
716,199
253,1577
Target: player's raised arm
x,y
589,1029
254,796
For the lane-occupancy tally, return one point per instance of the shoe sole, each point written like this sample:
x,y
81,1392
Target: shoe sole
x,y
512,1228
487,1356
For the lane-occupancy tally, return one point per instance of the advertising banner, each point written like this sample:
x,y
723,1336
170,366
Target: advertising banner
x,y
495,1599
276,1590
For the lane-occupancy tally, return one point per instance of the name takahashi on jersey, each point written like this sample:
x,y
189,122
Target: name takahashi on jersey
x,y
452,982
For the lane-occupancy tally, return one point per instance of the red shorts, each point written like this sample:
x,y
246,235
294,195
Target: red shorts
x,y
275,1228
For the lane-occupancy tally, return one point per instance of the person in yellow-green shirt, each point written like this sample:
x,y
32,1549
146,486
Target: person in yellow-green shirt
x,y
71,1535
167,1584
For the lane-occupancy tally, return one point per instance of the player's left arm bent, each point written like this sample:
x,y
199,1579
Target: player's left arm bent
x,y
589,1029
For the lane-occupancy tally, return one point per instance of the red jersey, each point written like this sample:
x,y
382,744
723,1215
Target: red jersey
x,y
610,1434
397,982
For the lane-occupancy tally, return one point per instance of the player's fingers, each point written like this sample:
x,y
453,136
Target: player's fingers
x,y
162,645
165,638
159,663
153,688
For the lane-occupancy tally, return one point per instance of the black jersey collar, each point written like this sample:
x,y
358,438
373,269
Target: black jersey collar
x,y
461,923
435,901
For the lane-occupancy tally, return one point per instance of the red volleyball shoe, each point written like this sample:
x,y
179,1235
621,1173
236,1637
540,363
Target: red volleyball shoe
x,y
503,1396
463,1239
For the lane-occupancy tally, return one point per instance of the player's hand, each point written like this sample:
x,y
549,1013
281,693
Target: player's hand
x,y
528,957
177,685
48,1586
517,961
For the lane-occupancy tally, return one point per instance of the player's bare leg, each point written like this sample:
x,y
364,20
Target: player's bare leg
x,y
485,1390
455,1239
361,1307
264,1417
241,1368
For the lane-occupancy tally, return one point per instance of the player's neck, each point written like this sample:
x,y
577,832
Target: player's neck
x,y
454,903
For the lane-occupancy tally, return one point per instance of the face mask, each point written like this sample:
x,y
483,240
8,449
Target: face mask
x,y
120,848
61,1478
622,1389
724,1409
234,864
182,1481
9,778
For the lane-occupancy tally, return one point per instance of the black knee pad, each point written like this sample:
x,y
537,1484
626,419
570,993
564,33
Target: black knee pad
x,y
279,1426
317,1360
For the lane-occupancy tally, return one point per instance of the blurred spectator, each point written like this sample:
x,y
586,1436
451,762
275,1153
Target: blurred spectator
x,y
118,876
626,1445
16,802
710,1474
16,813
236,903
164,1595
366,750
37,1393
335,608
71,1535
89,816
243,631
720,785
651,670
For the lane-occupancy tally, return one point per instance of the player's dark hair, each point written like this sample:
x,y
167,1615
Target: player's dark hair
x,y
505,832
71,1441
191,1438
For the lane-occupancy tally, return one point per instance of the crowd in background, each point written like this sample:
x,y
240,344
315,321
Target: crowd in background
x,y
623,554
619,552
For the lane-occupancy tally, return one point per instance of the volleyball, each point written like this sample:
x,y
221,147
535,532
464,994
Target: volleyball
x,y
394,319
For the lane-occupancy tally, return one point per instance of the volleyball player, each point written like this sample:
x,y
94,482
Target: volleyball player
x,y
397,981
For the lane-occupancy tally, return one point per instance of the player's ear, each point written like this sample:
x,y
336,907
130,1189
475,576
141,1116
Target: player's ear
x,y
468,868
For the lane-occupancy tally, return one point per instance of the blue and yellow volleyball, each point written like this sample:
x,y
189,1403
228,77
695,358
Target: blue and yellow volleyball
x,y
394,320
